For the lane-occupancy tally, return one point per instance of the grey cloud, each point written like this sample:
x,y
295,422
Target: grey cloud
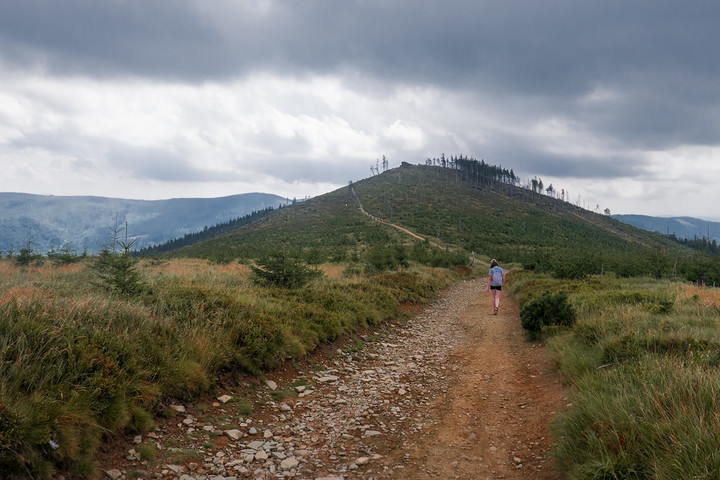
x,y
659,55
553,46
528,158
298,169
162,165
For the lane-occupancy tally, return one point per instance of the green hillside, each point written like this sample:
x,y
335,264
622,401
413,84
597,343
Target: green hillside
x,y
490,218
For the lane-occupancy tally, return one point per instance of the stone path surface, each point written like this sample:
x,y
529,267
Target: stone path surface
x,y
452,392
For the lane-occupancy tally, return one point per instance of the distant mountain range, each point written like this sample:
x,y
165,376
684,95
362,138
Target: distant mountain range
x,y
86,223
682,227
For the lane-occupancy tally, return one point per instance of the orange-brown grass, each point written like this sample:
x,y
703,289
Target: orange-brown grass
x,y
708,297
190,266
20,292
333,271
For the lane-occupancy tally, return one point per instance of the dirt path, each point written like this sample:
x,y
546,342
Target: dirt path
x,y
494,424
453,392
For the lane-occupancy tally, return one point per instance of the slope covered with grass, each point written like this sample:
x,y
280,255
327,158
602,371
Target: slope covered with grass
x,y
643,364
495,219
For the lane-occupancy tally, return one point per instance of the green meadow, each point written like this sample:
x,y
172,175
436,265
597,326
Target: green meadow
x,y
642,364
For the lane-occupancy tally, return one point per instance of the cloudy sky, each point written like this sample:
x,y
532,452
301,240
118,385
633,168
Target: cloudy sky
x,y
616,101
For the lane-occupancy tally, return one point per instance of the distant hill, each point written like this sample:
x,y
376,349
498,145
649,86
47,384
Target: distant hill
x,y
87,222
681,227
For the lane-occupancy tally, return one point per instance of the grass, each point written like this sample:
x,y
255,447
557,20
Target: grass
x,y
643,361
78,364
243,407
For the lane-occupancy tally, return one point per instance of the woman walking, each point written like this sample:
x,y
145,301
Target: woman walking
x,y
496,278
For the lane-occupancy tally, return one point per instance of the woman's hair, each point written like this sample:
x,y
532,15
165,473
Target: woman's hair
x,y
493,263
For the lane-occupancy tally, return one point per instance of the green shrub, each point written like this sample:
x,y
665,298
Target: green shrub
x,y
243,407
546,310
116,268
117,272
27,255
283,271
381,258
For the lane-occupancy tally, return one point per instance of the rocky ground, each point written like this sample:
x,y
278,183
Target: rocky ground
x,y
451,392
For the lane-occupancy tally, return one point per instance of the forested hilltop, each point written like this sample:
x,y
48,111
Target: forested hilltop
x,y
467,206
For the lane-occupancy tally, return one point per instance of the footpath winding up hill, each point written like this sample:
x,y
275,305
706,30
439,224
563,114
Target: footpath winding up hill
x,y
451,392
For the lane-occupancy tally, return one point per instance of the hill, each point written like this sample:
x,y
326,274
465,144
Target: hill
x,y
461,211
681,227
86,223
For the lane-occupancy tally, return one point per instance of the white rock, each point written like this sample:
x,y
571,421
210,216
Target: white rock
x,y
268,434
225,398
233,434
328,378
178,408
289,463
261,455
271,385
362,461
113,474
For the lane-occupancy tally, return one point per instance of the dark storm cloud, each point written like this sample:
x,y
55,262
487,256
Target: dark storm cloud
x,y
638,75
556,46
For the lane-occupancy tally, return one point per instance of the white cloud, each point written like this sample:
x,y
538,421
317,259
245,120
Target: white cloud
x,y
409,137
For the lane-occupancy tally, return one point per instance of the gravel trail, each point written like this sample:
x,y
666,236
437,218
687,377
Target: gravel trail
x,y
452,392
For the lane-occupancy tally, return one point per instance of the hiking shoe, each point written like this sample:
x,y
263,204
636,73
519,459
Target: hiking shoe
x,y
496,309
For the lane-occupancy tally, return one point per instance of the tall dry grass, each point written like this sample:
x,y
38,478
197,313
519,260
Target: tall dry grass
x,y
77,363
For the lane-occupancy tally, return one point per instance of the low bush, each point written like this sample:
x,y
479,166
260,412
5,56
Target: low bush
x,y
547,310
282,270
